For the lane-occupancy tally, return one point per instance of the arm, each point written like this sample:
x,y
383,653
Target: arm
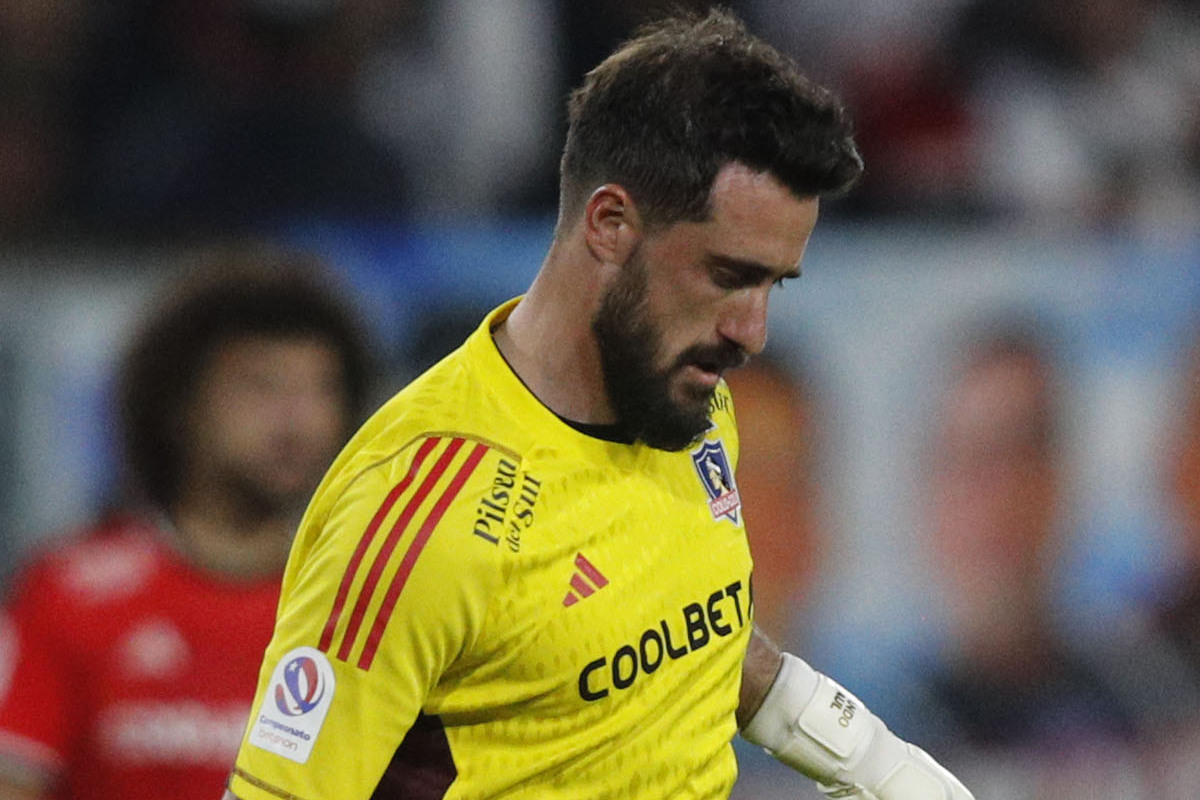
x,y
759,670
812,724
381,596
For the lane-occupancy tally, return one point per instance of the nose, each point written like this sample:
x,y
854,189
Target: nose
x,y
744,320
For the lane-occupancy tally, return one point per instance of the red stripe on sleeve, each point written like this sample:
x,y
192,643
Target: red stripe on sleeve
x,y
364,542
389,545
414,552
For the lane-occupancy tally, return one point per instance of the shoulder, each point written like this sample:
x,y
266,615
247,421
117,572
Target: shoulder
x,y
462,394
429,496
432,458
454,420
94,565
396,545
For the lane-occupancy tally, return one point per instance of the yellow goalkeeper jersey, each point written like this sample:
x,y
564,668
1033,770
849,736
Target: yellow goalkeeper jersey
x,y
484,602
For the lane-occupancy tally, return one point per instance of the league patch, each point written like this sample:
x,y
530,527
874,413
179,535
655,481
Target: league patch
x,y
295,704
712,465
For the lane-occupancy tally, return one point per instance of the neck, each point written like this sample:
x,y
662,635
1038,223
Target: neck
x,y
548,339
213,533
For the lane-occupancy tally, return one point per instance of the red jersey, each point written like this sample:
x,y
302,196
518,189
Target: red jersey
x,y
126,672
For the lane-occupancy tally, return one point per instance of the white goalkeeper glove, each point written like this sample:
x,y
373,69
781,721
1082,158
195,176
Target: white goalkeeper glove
x,y
816,727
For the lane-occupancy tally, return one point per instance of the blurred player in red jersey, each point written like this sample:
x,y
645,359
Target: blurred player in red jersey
x,y
129,653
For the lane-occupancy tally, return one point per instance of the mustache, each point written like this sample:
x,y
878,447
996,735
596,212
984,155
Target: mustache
x,y
713,358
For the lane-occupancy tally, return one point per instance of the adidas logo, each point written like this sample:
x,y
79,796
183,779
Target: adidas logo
x,y
580,586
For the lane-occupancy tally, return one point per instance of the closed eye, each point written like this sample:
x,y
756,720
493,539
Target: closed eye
x,y
727,278
731,273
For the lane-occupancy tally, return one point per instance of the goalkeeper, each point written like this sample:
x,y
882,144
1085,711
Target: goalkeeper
x,y
527,575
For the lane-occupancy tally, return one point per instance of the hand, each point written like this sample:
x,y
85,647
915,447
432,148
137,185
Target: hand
x,y
814,725
913,775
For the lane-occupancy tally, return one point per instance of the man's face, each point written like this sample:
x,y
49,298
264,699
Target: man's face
x,y
691,302
996,500
996,465
267,418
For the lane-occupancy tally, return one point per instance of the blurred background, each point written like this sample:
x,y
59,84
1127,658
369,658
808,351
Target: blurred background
x,y
972,455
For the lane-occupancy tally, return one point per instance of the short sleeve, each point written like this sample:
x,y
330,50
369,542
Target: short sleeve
x,y
388,585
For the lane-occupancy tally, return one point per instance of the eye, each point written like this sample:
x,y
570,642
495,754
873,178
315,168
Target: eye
x,y
728,274
732,276
727,278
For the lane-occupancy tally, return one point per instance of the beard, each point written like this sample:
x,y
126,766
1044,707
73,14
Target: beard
x,y
257,497
640,394
275,484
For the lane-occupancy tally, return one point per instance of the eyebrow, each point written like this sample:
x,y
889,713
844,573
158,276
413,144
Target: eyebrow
x,y
754,271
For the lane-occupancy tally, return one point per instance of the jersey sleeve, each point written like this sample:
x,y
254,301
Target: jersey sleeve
x,y
35,681
387,587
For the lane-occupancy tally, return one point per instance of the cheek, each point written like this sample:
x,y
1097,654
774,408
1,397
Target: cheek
x,y
682,325
245,419
681,288
325,425
243,428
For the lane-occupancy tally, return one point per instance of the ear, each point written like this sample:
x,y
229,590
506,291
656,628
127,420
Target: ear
x,y
612,225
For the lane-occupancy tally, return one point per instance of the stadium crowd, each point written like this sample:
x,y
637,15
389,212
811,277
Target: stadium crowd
x,y
160,117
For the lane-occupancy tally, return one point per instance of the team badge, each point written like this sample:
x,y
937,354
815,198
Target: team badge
x,y
712,465
295,704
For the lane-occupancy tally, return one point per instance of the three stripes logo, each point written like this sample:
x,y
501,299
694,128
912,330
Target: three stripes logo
x,y
585,581
403,523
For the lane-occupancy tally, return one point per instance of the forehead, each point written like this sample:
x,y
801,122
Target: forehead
x,y
264,351
757,218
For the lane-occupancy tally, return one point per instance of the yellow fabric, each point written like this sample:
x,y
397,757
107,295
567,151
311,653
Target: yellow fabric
x,y
628,691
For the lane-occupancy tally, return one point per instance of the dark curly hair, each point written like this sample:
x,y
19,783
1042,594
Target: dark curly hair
x,y
236,291
687,95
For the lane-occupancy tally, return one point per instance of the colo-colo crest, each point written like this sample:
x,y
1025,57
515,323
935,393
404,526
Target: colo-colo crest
x,y
712,465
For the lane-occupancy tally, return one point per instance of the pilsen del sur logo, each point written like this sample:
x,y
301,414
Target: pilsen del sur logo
x,y
712,465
